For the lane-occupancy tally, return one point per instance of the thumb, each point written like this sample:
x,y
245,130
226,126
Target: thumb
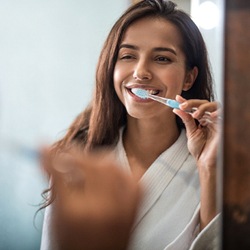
x,y
188,121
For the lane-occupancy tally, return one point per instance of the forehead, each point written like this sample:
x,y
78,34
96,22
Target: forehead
x,y
153,30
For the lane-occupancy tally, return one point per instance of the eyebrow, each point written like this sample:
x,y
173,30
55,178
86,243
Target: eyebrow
x,y
129,46
165,49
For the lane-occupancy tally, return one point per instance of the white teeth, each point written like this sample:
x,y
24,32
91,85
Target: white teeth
x,y
153,92
150,91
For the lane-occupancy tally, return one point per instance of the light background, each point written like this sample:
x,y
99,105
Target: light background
x,y
48,54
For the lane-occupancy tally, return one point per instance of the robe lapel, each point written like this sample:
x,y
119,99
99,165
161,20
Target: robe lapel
x,y
160,173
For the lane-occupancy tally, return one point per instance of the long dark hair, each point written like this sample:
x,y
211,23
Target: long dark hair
x,y
99,123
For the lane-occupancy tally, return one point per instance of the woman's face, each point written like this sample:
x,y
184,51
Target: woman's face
x,y
150,57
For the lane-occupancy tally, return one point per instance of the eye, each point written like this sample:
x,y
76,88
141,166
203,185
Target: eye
x,y
163,59
126,57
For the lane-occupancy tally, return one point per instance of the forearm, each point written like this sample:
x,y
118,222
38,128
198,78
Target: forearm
x,y
208,197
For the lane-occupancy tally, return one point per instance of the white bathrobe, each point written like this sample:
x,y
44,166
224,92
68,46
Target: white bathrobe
x,y
168,217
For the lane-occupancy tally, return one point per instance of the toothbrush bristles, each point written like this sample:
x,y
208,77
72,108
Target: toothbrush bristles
x,y
142,93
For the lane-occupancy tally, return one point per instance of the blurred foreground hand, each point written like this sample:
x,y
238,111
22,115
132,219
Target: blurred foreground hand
x,y
95,204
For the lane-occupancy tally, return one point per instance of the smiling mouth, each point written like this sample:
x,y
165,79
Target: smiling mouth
x,y
150,91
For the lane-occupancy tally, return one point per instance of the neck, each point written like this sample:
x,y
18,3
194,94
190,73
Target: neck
x,y
145,140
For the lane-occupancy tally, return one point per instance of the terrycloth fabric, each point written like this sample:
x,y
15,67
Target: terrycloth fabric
x,y
168,217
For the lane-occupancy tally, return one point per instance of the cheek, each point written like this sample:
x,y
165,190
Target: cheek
x,y
175,89
175,81
117,76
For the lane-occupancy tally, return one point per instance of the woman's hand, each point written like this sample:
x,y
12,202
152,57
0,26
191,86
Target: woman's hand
x,y
203,139
95,204
203,142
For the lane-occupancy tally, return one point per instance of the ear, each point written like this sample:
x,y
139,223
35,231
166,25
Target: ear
x,y
190,78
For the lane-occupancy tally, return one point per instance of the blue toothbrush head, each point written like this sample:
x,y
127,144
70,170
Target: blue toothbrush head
x,y
142,93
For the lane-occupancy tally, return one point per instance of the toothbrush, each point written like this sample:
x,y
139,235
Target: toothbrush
x,y
143,94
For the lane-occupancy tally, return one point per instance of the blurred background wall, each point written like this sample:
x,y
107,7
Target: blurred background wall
x,y
48,54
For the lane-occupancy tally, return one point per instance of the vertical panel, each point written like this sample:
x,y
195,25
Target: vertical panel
x,y
236,219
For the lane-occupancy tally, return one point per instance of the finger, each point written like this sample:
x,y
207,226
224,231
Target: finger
x,y
217,114
192,104
210,119
205,109
180,99
205,121
205,114
188,121
184,105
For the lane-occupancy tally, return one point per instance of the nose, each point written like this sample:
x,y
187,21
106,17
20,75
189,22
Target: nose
x,y
142,72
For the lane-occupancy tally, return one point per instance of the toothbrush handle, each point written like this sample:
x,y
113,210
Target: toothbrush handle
x,y
169,102
173,104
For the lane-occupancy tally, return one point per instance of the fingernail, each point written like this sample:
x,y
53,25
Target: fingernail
x,y
183,105
196,114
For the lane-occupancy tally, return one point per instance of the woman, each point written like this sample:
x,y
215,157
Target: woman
x,y
171,153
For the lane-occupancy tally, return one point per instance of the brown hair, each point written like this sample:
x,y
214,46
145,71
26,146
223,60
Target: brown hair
x,y
100,122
